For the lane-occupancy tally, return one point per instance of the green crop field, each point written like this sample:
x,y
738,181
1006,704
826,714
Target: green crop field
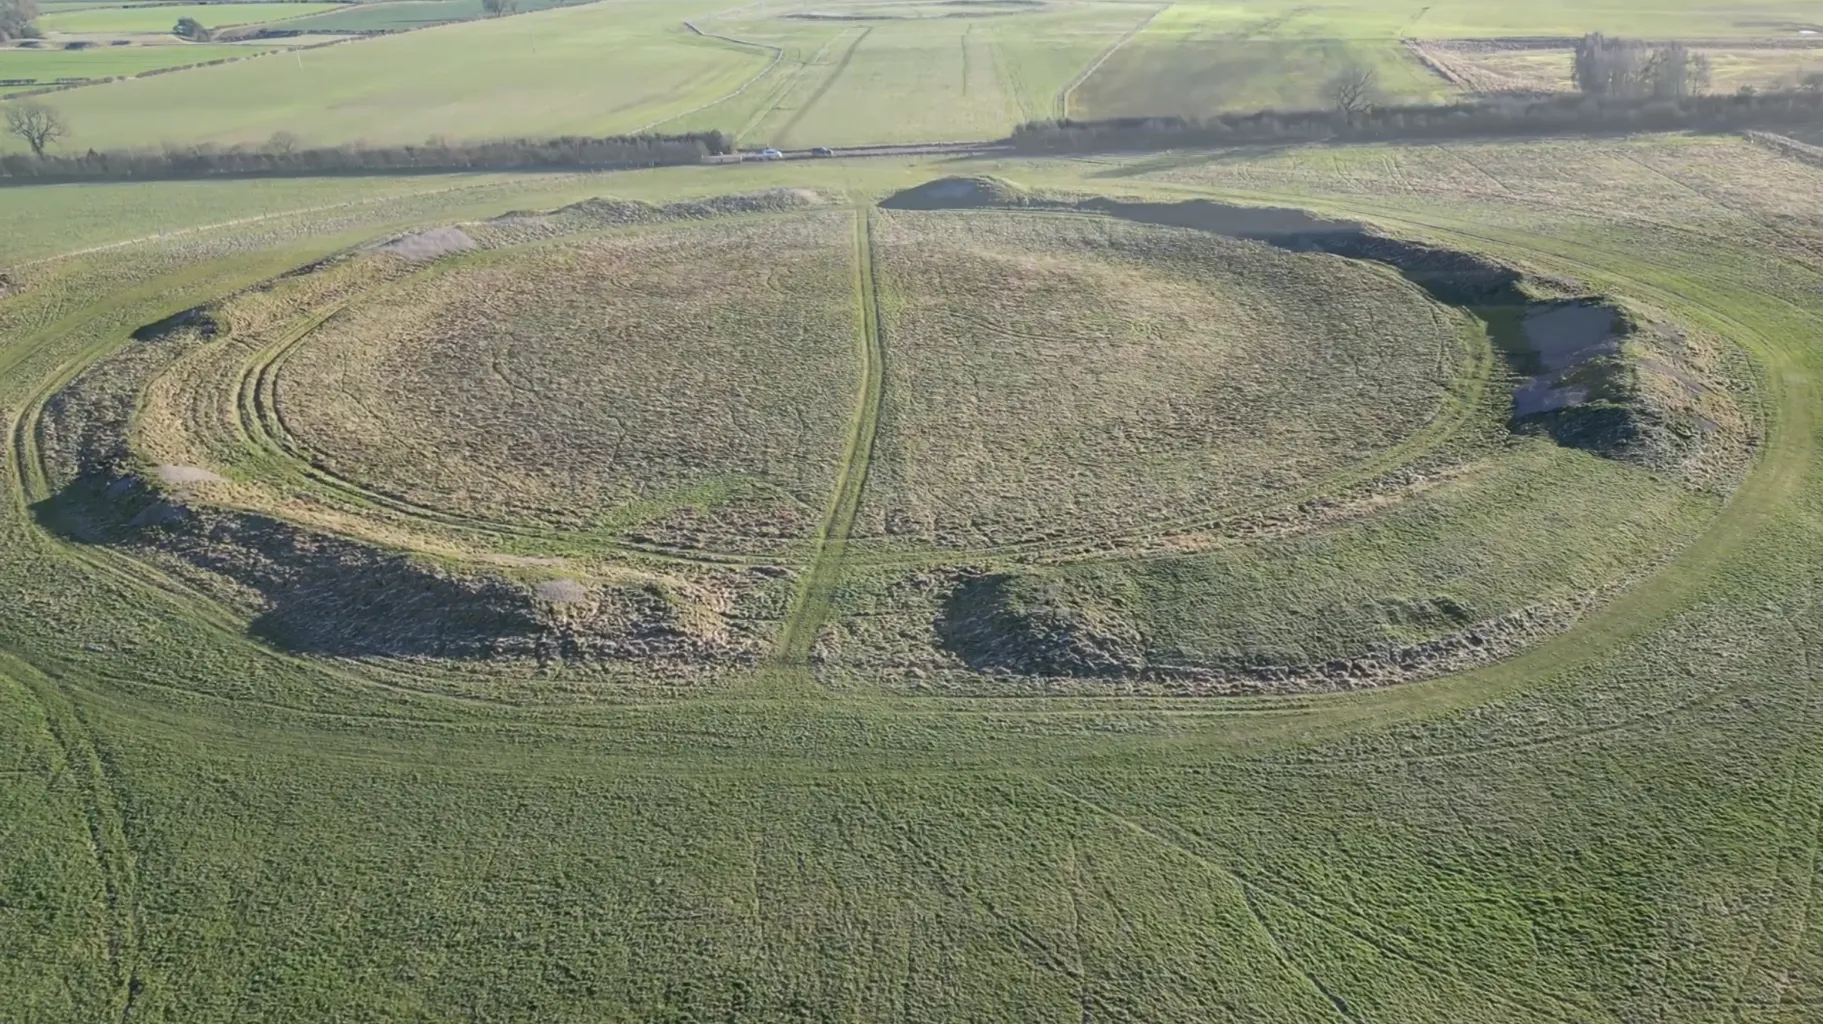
x,y
595,69
1370,583
44,67
160,17
395,15
801,74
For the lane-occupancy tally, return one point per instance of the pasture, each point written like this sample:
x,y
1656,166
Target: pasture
x,y
158,18
798,75
46,67
1335,582
417,84
398,15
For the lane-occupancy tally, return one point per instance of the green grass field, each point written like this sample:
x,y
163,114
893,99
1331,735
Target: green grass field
x,y
915,588
1613,823
160,17
843,73
47,66
395,15
418,84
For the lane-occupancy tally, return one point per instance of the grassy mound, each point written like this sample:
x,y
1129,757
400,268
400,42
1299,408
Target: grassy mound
x,y
1057,376
1662,399
694,381
984,433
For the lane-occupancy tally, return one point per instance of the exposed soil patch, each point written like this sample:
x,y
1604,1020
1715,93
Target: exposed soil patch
x,y
428,245
186,476
561,592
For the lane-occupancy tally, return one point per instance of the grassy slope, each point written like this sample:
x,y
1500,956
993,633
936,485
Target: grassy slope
x,y
161,17
1197,60
598,69
1618,825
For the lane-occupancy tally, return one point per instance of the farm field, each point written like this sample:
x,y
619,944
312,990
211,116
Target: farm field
x,y
1496,67
43,67
844,74
395,15
160,17
798,75
1195,59
406,87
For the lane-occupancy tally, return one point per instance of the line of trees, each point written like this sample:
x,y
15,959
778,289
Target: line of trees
x,y
16,17
1499,117
1628,69
284,155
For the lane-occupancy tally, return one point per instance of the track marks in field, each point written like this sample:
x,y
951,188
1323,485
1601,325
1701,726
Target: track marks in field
x,y
1261,892
778,56
1063,98
816,592
88,765
828,83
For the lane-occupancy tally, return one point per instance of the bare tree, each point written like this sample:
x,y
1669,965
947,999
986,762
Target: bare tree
x,y
1673,72
1628,69
1352,91
283,143
35,123
495,7
1605,66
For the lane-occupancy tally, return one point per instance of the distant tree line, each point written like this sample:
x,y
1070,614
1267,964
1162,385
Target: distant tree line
x,y
1628,69
16,17
283,155
1497,117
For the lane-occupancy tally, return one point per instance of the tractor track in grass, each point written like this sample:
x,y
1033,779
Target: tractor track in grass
x,y
106,826
823,87
1063,97
817,588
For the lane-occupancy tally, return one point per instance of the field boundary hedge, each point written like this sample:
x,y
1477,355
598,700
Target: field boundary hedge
x,y
1785,146
1496,118
208,161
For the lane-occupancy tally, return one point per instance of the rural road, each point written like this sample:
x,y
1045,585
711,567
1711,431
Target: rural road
x,y
913,149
